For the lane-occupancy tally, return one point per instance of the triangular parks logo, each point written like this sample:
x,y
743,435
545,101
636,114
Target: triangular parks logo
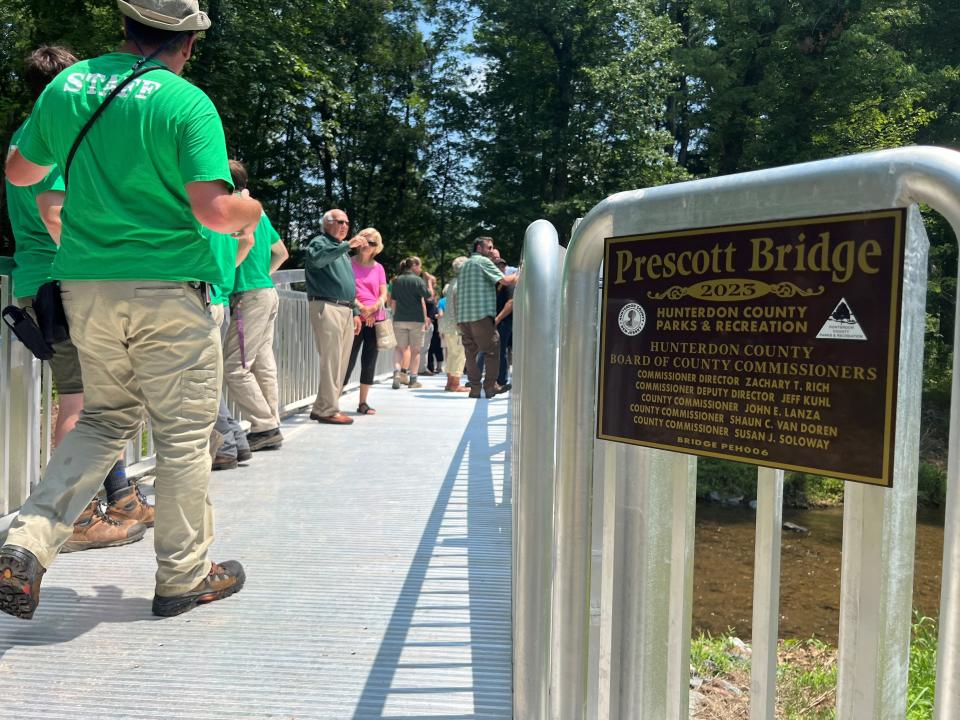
x,y
841,325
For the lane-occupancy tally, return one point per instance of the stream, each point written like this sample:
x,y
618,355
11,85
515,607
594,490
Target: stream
x,y
809,566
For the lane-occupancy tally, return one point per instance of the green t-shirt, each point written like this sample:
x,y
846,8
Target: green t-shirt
x,y
408,291
254,271
127,215
224,248
35,249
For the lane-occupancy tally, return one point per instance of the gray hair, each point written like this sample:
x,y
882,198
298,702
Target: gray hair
x,y
457,264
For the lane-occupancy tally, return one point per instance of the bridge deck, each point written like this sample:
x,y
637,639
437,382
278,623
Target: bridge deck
x,y
378,563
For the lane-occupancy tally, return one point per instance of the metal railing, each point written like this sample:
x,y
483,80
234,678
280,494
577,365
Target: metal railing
x,y
536,336
26,395
638,667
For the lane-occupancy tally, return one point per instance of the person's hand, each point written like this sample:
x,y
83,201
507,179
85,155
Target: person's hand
x,y
357,324
370,320
244,240
357,241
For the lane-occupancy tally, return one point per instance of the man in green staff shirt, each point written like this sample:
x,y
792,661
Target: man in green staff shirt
x,y
34,214
133,268
248,360
234,448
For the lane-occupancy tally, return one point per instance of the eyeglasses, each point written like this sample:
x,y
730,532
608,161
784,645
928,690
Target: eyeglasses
x,y
341,222
372,244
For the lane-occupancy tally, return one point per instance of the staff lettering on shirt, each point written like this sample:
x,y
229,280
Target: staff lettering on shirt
x,y
95,85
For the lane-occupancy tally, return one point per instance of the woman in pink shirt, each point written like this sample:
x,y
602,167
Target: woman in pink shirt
x,y
371,299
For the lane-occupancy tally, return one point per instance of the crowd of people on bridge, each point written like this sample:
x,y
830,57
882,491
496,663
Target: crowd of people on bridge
x,y
121,195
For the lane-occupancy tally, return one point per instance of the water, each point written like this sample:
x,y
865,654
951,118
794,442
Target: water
x,y
810,571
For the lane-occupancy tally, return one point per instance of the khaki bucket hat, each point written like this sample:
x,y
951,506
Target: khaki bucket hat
x,y
175,15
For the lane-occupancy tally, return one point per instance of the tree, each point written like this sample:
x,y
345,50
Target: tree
x,y
569,108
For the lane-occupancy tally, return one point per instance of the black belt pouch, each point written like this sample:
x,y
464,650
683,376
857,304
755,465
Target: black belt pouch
x,y
26,330
48,305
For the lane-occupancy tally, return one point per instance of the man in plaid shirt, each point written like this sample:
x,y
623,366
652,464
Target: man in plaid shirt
x,y
476,310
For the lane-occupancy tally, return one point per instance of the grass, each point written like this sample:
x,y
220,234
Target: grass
x,y
923,669
806,676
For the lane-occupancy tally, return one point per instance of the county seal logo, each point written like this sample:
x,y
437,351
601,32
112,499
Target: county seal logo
x,y
632,318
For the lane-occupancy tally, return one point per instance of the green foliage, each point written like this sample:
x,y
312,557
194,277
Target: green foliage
x,y
803,489
923,669
569,108
329,104
710,656
729,479
732,479
804,686
932,485
807,672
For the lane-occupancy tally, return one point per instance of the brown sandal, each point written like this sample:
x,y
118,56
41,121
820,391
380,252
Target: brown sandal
x,y
365,409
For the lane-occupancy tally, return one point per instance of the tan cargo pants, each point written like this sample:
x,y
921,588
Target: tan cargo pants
x,y
333,334
254,387
142,344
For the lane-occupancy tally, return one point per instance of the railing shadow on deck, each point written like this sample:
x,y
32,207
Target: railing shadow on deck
x,y
469,624
69,615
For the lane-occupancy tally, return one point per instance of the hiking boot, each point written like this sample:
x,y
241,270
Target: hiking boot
x,y
226,462
413,383
396,380
95,529
265,440
20,576
497,390
222,581
132,505
244,455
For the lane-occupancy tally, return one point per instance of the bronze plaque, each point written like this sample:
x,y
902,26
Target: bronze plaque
x,y
773,344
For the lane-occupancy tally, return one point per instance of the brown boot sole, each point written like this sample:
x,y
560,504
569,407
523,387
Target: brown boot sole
x,y
16,590
76,546
179,604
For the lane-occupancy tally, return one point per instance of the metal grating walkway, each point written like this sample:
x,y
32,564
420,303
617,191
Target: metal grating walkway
x,y
378,563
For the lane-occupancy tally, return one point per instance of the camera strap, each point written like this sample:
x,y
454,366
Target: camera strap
x,y
103,106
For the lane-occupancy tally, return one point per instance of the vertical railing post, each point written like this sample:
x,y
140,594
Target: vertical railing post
x,y
576,395
536,343
947,695
6,355
879,532
651,598
766,594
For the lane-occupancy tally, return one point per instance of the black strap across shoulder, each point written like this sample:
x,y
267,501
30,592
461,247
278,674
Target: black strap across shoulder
x,y
93,118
